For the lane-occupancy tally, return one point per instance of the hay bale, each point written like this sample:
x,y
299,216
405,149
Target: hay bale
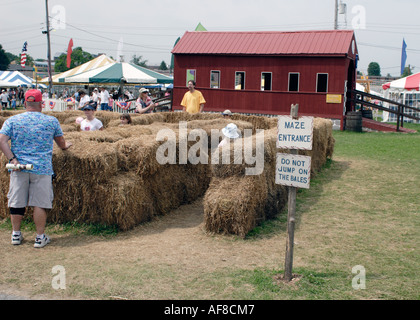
x,y
235,205
245,201
113,176
323,144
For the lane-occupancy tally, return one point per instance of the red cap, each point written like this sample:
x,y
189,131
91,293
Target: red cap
x,y
33,95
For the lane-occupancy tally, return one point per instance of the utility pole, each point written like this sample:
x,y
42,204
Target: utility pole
x,y
49,51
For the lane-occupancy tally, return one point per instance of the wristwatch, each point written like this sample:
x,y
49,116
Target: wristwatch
x,y
11,159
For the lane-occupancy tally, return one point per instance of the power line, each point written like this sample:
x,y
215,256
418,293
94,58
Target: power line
x,y
387,47
110,39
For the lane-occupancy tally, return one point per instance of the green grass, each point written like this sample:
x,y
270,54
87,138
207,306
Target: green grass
x,y
378,226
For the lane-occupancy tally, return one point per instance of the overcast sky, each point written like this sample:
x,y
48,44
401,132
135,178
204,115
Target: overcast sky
x,y
150,28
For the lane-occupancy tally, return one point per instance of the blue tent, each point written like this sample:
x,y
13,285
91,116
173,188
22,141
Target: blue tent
x,y
16,78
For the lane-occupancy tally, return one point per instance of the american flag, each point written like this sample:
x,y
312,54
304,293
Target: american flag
x,y
23,55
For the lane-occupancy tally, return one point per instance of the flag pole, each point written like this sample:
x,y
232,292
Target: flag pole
x,y
49,51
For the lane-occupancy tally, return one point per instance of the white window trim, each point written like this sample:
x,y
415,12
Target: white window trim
x,y
271,80
220,74
234,85
328,78
186,76
288,80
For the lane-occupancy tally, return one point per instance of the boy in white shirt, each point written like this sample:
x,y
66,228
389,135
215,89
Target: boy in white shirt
x,y
90,123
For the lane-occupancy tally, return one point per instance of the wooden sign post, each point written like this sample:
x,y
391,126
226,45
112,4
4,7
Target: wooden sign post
x,y
293,170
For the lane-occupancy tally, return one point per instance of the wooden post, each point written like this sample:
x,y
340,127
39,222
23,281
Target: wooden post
x,y
291,215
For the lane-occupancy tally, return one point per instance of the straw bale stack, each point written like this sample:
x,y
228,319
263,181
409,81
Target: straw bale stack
x,y
235,203
246,200
323,144
113,176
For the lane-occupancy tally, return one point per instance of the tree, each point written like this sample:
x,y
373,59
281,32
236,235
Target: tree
x,y
78,57
4,60
12,57
407,72
374,69
163,66
138,61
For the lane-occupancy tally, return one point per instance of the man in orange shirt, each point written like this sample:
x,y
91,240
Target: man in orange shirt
x,y
193,101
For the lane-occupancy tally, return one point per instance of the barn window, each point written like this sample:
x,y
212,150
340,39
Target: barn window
x,y
294,81
215,79
240,80
266,81
322,82
191,75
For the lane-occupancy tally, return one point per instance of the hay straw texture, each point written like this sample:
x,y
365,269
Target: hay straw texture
x,y
113,176
235,203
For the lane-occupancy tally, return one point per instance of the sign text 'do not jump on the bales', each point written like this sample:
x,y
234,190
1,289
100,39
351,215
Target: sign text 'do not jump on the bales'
x,y
295,133
293,170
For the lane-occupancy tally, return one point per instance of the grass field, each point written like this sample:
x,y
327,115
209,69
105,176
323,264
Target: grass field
x,y
363,209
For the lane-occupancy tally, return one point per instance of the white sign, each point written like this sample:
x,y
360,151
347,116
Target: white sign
x,y
293,170
295,134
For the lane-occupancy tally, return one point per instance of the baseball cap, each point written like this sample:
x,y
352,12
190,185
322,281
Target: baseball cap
x,y
143,90
89,107
33,95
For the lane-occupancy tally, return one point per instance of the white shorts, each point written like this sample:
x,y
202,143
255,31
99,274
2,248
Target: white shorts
x,y
29,189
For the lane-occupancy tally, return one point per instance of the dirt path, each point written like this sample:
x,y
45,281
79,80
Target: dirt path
x,y
176,242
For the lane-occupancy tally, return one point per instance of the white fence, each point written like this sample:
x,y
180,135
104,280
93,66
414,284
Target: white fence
x,y
61,105
55,105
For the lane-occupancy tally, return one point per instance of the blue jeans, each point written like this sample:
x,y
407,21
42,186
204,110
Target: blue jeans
x,y
104,106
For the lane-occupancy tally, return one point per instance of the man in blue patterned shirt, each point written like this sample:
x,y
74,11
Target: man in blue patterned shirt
x,y
32,135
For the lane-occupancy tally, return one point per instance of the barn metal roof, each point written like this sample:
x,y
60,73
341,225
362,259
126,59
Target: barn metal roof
x,y
326,42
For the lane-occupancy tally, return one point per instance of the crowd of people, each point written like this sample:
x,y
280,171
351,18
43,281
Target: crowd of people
x,y
12,98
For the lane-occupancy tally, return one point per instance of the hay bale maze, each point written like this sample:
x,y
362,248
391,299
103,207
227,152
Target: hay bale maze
x,y
114,177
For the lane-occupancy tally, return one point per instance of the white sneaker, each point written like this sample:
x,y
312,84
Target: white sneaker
x,y
17,239
40,243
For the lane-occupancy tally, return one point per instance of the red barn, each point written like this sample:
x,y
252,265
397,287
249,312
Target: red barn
x,y
266,72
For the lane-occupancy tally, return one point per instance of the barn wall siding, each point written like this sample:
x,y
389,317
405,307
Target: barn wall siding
x,y
252,99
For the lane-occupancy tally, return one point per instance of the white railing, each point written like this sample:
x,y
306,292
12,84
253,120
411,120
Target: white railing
x,y
55,105
62,105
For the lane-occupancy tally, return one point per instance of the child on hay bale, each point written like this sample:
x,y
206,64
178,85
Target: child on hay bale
x,y
231,131
125,119
90,123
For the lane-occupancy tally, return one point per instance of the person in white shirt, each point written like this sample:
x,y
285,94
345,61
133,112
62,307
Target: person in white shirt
x,y
95,95
45,95
4,97
104,97
84,99
230,132
90,123
129,95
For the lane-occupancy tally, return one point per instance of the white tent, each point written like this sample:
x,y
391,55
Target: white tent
x,y
16,78
98,62
404,90
5,84
85,76
362,88
121,73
